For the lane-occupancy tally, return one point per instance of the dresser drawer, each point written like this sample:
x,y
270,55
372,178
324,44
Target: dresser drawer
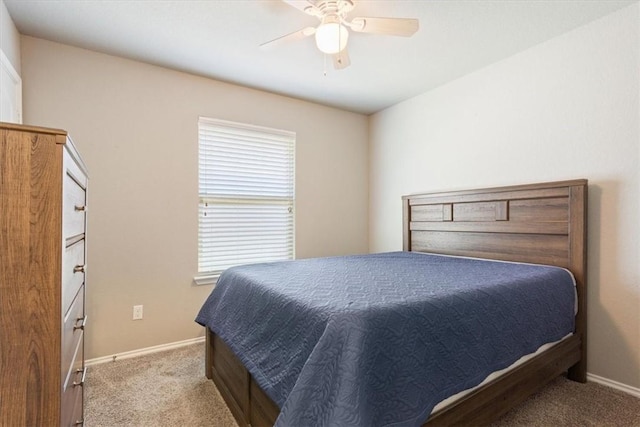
x,y
73,267
73,413
73,393
73,362
73,207
73,329
73,166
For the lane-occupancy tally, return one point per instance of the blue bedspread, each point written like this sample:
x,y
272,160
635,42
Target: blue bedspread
x,y
379,339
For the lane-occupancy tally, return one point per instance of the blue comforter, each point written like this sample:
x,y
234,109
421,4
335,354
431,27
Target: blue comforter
x,y
372,340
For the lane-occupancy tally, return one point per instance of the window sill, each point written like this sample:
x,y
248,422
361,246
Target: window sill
x,y
210,279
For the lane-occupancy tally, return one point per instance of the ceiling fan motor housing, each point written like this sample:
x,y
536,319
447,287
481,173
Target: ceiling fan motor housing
x,y
324,8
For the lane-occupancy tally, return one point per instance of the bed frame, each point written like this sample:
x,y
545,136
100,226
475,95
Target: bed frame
x,y
537,223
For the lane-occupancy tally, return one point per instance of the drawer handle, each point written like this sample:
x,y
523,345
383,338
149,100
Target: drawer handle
x,y
82,323
84,373
78,269
79,423
79,208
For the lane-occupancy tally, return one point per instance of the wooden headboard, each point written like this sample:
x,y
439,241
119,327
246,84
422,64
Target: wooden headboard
x,y
537,223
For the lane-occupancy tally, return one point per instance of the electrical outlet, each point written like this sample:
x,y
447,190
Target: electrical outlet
x,y
137,312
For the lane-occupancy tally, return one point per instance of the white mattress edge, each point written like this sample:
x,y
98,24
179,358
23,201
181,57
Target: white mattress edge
x,y
452,399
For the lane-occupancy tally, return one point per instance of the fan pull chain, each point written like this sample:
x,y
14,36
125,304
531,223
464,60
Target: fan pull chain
x,y
324,66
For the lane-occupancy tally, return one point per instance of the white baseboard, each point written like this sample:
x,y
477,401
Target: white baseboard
x,y
634,391
142,351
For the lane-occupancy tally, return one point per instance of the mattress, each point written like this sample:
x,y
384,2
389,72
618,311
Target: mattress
x,y
380,339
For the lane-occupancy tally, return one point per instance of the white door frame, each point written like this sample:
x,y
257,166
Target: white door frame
x,y
11,87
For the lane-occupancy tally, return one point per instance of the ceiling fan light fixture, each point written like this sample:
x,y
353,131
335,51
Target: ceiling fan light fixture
x,y
331,36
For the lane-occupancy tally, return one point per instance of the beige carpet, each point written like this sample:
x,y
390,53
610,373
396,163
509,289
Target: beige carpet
x,y
169,389
163,389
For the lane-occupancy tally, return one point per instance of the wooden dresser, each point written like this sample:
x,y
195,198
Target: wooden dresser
x,y
43,201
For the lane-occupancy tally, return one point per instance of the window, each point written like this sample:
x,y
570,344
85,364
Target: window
x,y
246,176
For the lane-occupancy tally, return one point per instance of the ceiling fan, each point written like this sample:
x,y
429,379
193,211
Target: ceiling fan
x,y
333,32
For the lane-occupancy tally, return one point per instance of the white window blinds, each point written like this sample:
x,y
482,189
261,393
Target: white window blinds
x,y
246,181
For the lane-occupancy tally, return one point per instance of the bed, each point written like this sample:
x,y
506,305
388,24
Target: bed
x,y
539,224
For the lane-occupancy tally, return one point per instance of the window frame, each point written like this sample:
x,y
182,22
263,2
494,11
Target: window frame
x,y
211,277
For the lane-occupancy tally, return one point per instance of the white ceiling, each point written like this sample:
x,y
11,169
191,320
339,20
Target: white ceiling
x,y
220,39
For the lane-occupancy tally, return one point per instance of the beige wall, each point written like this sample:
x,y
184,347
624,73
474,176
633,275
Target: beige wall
x,y
136,128
567,108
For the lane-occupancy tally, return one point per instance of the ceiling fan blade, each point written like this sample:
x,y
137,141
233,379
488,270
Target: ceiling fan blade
x,y
404,27
341,59
296,35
